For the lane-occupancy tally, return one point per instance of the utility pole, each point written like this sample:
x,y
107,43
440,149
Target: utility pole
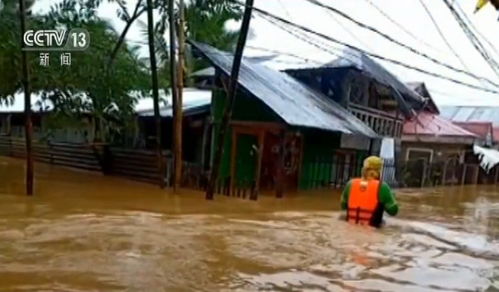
x,y
155,94
177,114
173,80
231,96
27,104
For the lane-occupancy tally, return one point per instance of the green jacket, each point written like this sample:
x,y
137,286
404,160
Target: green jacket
x,y
386,197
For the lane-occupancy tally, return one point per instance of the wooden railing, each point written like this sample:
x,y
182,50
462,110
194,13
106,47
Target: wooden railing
x,y
81,156
380,122
332,172
243,190
141,165
135,164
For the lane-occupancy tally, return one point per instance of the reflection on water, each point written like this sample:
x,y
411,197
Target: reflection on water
x,y
87,232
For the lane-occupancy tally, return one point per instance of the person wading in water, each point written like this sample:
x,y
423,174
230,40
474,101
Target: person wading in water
x,y
366,199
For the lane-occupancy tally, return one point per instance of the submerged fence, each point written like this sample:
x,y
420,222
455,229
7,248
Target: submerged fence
x,y
332,172
65,154
335,172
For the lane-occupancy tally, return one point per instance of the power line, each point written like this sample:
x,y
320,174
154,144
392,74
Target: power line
x,y
272,16
470,23
284,8
391,39
437,27
332,50
348,31
400,26
473,39
283,53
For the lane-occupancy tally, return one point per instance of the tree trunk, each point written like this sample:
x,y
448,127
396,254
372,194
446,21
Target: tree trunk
x,y
231,95
27,104
177,90
135,15
154,74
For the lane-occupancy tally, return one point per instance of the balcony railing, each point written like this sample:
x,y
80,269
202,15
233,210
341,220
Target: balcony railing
x,y
382,123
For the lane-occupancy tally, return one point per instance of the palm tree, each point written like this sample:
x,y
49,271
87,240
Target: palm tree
x,y
206,22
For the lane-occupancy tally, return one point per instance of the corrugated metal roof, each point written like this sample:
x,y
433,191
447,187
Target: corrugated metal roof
x,y
481,129
431,124
206,72
194,101
360,61
471,113
294,102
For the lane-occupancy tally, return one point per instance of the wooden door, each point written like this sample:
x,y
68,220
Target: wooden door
x,y
271,161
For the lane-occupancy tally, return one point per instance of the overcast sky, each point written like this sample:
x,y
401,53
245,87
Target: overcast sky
x,y
410,14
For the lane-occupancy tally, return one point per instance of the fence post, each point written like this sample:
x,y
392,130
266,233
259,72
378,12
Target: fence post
x,y
444,173
496,178
477,173
425,170
10,146
50,152
463,177
253,192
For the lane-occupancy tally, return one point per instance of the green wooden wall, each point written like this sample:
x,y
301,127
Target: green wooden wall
x,y
246,108
318,147
319,167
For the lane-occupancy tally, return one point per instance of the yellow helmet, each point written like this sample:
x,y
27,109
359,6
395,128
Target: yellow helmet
x,y
372,164
480,4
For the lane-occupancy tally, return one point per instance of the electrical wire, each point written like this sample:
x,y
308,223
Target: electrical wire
x,y
401,27
470,23
391,39
473,39
437,27
283,53
331,39
350,33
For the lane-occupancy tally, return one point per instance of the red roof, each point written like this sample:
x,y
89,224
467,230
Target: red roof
x,y
482,129
434,125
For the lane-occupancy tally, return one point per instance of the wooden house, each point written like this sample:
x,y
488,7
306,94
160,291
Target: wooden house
x,y
483,130
371,93
196,115
431,137
435,148
12,122
477,119
366,89
279,125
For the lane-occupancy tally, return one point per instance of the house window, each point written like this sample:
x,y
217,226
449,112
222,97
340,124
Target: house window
x,y
419,153
356,94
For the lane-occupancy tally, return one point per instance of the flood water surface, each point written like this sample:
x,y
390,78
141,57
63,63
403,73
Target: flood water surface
x,y
88,232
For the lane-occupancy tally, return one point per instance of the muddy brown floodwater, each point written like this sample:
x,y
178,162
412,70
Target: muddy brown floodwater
x,y
87,232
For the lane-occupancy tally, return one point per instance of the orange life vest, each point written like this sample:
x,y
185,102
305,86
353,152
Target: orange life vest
x,y
363,202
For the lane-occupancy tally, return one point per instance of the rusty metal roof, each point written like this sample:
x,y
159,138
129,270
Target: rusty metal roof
x,y
294,102
481,129
432,124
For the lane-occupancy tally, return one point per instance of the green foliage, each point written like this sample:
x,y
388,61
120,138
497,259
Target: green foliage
x,y
88,85
206,22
